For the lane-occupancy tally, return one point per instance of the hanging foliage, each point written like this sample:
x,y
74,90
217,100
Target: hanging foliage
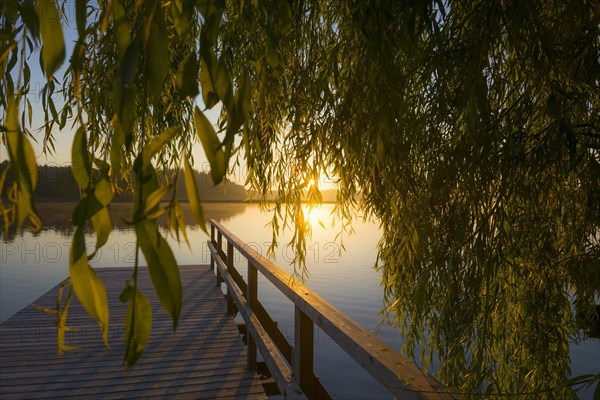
x,y
470,130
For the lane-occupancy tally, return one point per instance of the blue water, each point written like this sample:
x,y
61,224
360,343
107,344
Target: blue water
x,y
30,265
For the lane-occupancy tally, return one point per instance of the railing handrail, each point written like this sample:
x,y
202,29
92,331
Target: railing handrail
x,y
398,374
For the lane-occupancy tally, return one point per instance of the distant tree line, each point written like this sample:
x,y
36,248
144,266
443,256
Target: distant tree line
x,y
57,184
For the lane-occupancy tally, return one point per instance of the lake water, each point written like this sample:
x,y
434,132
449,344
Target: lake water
x,y
30,265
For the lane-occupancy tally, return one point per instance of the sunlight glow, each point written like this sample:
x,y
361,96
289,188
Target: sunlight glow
x,y
313,216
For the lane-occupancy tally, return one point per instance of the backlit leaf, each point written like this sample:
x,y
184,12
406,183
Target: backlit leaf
x,y
212,146
157,55
30,17
209,95
121,26
53,42
87,207
183,11
162,266
125,100
193,195
80,159
186,78
102,227
81,16
116,145
155,197
158,142
138,324
23,163
103,191
87,285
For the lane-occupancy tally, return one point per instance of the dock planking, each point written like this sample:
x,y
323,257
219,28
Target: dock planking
x,y
204,358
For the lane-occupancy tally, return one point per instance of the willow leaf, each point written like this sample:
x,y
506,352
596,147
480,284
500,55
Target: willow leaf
x,y
162,266
209,94
154,198
193,196
158,142
186,78
80,159
121,26
137,325
212,146
53,41
102,227
182,17
158,52
125,94
22,158
30,17
103,191
81,16
87,207
87,285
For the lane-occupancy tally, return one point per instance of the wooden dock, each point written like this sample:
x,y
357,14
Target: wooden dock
x,y
204,358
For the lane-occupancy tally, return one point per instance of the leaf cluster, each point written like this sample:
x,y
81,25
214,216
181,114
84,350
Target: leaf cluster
x,y
468,129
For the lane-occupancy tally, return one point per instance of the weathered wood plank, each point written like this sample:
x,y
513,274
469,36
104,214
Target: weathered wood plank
x,y
204,358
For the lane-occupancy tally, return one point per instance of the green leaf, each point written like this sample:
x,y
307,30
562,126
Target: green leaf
x,y
103,191
193,196
182,11
23,163
158,53
102,227
30,17
186,78
158,142
121,27
116,146
86,208
155,197
87,286
212,146
179,223
209,95
162,266
222,83
137,325
80,159
53,42
124,96
81,16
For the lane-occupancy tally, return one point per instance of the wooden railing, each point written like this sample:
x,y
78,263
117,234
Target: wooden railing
x,y
292,366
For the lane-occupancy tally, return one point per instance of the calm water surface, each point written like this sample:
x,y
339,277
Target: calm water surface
x,y
30,265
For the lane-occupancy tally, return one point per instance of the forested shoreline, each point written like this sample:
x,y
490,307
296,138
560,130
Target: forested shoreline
x,y
57,184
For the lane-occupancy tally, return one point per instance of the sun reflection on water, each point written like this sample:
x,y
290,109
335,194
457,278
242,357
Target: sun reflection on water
x,y
314,215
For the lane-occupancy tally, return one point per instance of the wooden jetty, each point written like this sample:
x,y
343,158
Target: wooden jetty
x,y
204,358
291,365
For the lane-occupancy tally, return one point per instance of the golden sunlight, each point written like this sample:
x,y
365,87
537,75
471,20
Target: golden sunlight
x,y
313,215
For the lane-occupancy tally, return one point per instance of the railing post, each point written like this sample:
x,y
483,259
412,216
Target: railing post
x,y
302,367
229,261
219,253
252,297
212,239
